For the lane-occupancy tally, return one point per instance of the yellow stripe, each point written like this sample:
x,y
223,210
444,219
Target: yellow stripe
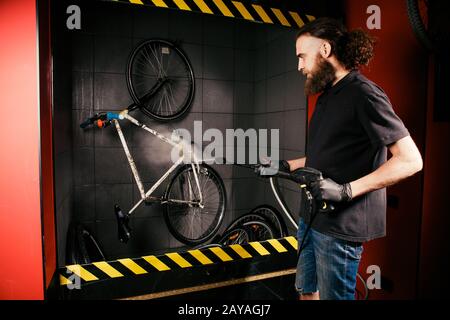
x,y
64,281
82,272
158,264
281,17
277,245
292,241
311,18
182,5
298,20
203,6
221,254
133,266
240,251
260,11
197,254
108,269
136,1
179,260
258,247
243,10
223,8
160,3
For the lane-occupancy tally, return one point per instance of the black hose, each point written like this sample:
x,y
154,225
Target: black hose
x,y
418,26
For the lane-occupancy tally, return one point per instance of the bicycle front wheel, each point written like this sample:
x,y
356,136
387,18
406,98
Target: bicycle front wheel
x,y
160,79
195,222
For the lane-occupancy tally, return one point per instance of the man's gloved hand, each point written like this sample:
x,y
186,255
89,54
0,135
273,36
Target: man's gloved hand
x,y
273,168
328,190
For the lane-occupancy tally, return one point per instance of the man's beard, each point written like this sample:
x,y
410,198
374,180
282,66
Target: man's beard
x,y
322,77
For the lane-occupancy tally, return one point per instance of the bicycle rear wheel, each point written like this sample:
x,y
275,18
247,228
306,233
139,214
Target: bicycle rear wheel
x,y
190,223
160,79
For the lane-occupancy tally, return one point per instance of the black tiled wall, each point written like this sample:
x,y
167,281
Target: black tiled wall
x,y
245,78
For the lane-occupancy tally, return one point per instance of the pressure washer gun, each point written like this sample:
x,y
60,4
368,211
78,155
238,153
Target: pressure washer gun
x,y
304,177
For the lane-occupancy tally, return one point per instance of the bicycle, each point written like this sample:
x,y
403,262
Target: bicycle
x,y
194,200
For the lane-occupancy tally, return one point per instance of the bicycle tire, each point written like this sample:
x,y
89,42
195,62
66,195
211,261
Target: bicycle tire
x,y
234,236
273,216
257,216
259,230
178,85
82,247
194,225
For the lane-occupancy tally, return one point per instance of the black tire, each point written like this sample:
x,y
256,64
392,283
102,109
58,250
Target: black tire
x,y
189,224
274,218
174,97
237,235
264,214
82,247
259,230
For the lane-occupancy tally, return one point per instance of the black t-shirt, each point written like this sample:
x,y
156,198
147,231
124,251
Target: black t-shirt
x,y
351,126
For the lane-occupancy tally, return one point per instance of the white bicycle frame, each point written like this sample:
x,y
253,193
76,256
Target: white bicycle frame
x,y
146,195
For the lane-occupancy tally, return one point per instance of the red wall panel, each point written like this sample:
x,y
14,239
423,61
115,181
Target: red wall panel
x,y
21,263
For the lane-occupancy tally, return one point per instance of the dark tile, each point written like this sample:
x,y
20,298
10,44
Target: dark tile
x,y
82,52
150,235
218,63
276,54
218,31
62,129
218,96
245,34
84,203
152,162
276,92
220,122
291,55
83,166
296,121
111,54
107,195
260,68
63,177
243,67
194,54
260,99
295,96
185,26
243,97
110,19
82,137
247,193
150,22
111,166
111,92
82,90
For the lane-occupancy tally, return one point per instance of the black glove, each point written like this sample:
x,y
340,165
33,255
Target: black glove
x,y
272,170
327,189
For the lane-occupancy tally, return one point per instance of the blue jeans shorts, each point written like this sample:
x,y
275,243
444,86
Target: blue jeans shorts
x,y
328,265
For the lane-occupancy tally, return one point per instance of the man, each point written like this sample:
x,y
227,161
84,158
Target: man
x,y
350,132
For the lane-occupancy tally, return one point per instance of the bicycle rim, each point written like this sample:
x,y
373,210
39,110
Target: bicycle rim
x,y
192,224
160,79
272,216
258,230
235,236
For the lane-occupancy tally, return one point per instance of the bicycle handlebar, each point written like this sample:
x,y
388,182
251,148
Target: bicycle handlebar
x,y
101,120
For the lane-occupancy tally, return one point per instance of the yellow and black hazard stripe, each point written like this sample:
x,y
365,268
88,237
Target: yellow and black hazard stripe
x,y
175,261
233,9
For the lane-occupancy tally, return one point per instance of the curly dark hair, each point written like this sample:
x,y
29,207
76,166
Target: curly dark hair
x,y
352,48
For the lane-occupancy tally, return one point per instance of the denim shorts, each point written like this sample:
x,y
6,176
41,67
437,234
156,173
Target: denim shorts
x,y
327,264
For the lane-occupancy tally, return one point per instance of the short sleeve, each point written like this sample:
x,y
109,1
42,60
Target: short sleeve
x,y
379,120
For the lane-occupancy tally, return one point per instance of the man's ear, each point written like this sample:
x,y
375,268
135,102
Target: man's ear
x,y
325,50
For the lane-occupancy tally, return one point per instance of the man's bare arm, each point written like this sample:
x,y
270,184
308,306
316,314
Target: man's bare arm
x,y
405,161
297,163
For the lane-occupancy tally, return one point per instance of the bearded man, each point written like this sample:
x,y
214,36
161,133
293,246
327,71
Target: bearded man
x,y
351,131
